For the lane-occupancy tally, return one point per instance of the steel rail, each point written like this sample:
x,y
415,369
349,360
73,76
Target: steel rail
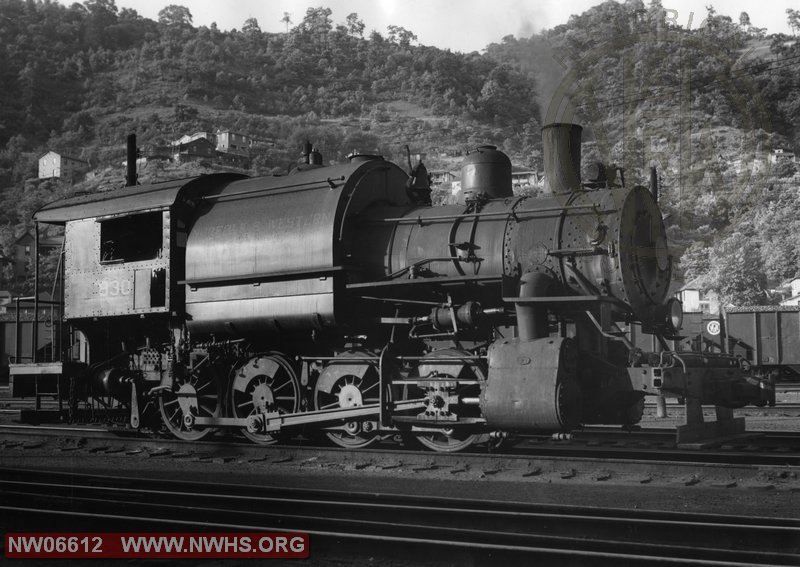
x,y
608,445
430,505
383,539
439,515
481,539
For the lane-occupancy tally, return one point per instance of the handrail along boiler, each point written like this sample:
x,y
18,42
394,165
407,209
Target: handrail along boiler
x,y
337,298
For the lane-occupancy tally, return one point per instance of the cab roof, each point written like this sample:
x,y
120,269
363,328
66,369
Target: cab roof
x,y
129,199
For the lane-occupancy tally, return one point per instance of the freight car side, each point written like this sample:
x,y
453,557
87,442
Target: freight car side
x,y
768,337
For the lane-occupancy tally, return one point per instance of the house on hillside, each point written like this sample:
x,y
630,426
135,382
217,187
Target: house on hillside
x,y
56,165
696,301
163,153
153,153
262,144
233,143
439,176
5,301
793,293
210,136
197,150
230,148
23,251
524,178
780,154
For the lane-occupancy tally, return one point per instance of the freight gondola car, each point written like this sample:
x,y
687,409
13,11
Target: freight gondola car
x,y
766,337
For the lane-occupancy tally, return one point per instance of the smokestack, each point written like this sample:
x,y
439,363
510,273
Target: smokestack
x,y
562,157
305,157
130,175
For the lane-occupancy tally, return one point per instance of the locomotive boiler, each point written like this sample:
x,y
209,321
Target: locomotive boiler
x,y
337,299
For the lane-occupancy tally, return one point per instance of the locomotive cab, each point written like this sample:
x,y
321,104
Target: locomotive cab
x,y
124,254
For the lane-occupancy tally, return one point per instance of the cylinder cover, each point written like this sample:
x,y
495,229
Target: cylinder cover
x,y
532,385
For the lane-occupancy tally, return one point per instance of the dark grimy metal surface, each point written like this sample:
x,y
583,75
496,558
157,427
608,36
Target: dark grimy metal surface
x,y
538,388
126,199
274,231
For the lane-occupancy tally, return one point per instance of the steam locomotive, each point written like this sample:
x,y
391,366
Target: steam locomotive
x,y
337,300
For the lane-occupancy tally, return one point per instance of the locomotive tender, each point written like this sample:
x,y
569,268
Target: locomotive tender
x,y
337,299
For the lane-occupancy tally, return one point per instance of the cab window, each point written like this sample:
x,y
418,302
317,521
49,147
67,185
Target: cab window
x,y
131,239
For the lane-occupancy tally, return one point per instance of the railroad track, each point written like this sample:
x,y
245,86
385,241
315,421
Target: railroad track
x,y
777,408
767,451
386,524
600,444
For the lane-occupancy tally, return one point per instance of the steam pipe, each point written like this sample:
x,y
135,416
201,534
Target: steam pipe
x,y
130,175
35,326
532,321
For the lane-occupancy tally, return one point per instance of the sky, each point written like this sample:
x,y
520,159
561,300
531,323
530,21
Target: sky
x,y
459,25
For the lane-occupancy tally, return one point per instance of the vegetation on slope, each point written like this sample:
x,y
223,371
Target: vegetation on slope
x,y
706,104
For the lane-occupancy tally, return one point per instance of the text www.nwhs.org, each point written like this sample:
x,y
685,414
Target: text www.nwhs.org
x,y
153,545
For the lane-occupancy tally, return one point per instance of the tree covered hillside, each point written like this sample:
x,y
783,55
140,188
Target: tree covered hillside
x,y
83,74
707,103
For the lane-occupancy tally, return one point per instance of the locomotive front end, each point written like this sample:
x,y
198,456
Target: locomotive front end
x,y
592,260
594,239
567,269
590,257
